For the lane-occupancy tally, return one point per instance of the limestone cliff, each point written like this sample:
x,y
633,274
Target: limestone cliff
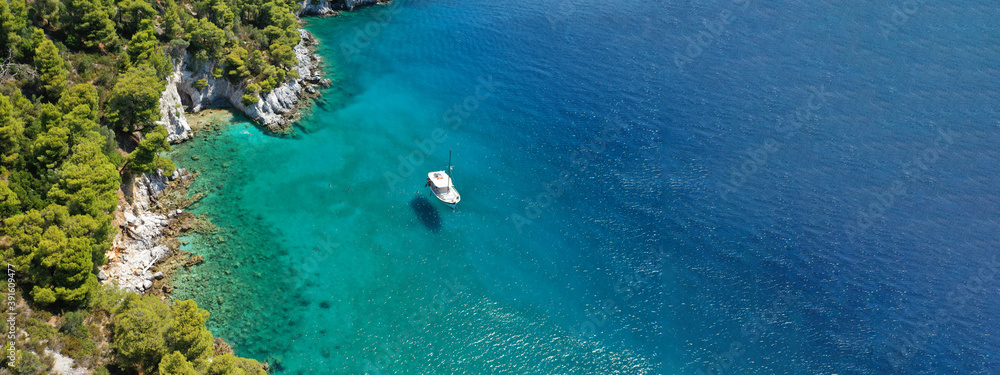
x,y
326,7
172,110
316,8
276,109
137,246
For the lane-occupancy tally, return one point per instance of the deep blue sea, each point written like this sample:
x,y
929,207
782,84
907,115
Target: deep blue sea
x,y
649,187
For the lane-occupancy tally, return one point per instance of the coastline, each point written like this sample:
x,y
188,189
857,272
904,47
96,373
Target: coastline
x,y
151,218
275,111
150,215
146,249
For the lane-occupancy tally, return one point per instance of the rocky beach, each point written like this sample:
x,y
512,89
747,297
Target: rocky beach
x,y
148,216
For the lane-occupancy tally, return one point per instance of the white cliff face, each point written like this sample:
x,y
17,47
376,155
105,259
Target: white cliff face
x,y
316,7
218,91
136,248
329,7
172,110
351,4
275,108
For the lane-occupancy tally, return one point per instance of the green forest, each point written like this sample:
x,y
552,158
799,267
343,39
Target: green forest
x,y
80,82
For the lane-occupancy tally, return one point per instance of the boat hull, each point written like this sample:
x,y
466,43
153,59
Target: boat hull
x,y
440,184
451,200
450,205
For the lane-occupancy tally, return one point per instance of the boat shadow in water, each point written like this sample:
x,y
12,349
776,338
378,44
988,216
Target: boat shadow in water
x,y
427,213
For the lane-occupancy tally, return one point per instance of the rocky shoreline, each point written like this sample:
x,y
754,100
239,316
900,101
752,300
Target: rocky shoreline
x,y
143,221
276,110
151,206
331,7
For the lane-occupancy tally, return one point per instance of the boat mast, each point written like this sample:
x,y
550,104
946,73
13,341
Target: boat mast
x,y
449,171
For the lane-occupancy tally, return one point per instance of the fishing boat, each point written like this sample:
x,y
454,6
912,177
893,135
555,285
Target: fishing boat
x,y
442,186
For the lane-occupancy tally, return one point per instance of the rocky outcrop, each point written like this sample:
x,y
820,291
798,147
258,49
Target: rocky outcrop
x,y
276,109
63,365
172,110
330,7
136,247
316,8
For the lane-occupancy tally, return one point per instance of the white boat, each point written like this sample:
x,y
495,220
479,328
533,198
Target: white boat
x,y
442,186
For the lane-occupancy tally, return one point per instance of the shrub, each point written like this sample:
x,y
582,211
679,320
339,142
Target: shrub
x,y
201,84
73,324
249,99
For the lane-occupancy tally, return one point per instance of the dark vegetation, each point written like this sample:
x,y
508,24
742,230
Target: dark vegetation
x,y
80,82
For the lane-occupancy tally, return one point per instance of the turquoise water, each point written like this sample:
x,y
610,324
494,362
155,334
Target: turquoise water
x,y
341,268
810,190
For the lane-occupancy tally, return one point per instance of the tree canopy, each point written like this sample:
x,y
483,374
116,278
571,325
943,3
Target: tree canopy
x,y
134,101
84,82
145,157
52,68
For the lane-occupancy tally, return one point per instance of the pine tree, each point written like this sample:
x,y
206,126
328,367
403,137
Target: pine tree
x,y
283,54
91,23
131,14
52,68
9,204
175,364
172,21
205,35
55,254
11,132
144,158
50,147
138,332
89,181
186,332
81,93
71,271
134,102
228,364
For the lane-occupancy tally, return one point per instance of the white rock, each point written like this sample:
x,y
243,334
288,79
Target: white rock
x,y
172,109
271,107
139,250
63,365
324,7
